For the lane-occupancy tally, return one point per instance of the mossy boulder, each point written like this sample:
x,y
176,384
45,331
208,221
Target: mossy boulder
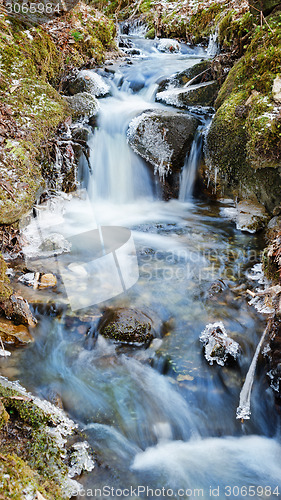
x,y
127,326
31,64
244,140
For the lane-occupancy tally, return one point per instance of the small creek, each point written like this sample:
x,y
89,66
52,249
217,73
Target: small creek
x,y
160,417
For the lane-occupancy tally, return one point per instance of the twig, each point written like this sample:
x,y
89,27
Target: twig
x,y
195,78
8,191
262,17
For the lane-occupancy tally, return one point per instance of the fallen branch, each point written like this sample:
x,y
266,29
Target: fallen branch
x,y
195,78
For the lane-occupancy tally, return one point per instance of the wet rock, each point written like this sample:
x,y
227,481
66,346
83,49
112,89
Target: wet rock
x,y
251,216
276,89
83,105
181,78
162,138
47,280
14,334
17,309
54,244
90,82
127,326
218,345
203,94
168,45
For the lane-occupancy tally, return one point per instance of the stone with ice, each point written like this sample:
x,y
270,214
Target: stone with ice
x,y
83,105
202,94
168,45
218,345
162,138
88,81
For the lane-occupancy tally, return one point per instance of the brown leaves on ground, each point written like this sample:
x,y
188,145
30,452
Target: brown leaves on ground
x,y
8,126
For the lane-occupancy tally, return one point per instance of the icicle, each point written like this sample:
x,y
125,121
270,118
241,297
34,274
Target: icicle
x,y
243,412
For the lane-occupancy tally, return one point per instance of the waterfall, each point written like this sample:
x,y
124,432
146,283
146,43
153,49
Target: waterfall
x,y
190,168
119,175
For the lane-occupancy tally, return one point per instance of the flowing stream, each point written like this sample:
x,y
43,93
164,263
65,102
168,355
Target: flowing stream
x,y
159,417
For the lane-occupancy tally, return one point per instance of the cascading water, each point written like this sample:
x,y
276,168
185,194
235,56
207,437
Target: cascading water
x,y
158,417
190,167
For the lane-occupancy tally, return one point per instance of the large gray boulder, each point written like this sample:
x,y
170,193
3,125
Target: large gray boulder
x,y
203,94
162,138
88,81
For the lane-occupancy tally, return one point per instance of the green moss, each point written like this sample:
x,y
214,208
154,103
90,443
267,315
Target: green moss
x,y
39,451
5,290
203,22
150,34
235,31
245,137
16,477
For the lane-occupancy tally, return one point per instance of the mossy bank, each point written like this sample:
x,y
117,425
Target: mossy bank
x,y
244,141
33,59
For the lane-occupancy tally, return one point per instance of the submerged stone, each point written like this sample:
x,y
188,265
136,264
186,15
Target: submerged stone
x,y
14,334
127,326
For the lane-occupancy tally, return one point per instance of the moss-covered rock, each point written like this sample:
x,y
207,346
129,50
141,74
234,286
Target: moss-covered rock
x,y
266,6
181,78
31,63
244,141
